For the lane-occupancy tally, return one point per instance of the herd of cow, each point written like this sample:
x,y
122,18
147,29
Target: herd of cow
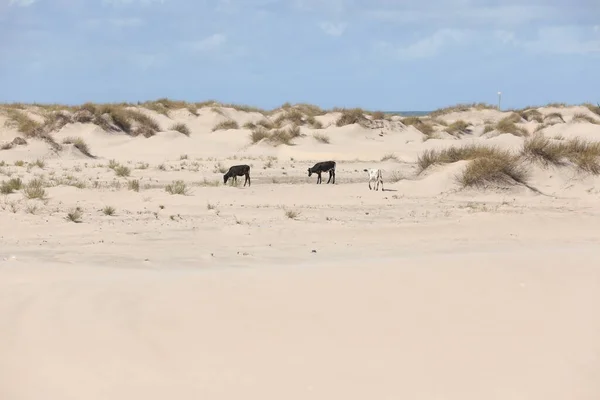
x,y
320,167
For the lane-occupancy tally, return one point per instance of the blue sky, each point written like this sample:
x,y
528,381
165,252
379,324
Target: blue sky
x,y
376,54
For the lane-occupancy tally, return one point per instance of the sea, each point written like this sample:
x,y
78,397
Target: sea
x,y
408,113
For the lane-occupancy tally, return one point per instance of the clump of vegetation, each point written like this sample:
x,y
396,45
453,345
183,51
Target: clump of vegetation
x,y
79,144
228,124
10,186
351,116
462,107
424,127
321,137
108,210
488,128
134,185
389,156
581,117
291,115
74,215
593,108
554,118
35,189
122,170
181,128
454,154
585,155
292,214
459,126
507,125
503,168
532,115
177,187
259,134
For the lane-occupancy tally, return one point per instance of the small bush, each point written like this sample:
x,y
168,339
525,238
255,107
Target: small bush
x,y
11,186
553,117
583,154
501,169
507,125
291,214
580,117
424,127
121,170
181,128
108,210
35,190
177,187
593,108
351,116
389,156
74,215
532,115
454,154
457,127
229,124
321,137
79,144
134,185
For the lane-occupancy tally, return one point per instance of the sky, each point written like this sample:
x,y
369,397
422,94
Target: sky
x,y
376,54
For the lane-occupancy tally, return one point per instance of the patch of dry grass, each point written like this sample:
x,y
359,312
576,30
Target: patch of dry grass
x,y
351,116
224,125
503,168
277,136
531,115
389,157
10,186
593,108
259,134
80,144
554,116
456,127
322,138
462,107
454,154
581,117
424,127
177,187
508,125
35,189
585,155
181,128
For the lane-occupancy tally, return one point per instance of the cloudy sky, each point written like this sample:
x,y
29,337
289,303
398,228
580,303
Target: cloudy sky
x,y
376,54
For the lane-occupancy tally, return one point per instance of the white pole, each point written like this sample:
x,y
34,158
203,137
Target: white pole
x,y
499,100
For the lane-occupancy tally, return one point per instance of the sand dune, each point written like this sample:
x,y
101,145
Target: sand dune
x,y
439,287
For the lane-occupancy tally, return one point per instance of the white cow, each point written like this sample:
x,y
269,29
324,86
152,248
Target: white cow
x,y
375,175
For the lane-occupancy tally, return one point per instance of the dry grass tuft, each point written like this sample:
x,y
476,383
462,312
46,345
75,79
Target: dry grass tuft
x,y
585,155
389,156
181,128
532,115
456,127
553,117
108,210
593,108
177,187
228,124
74,215
10,186
351,116
35,189
80,144
122,170
454,154
462,107
507,125
321,137
292,214
424,127
581,117
501,169
259,134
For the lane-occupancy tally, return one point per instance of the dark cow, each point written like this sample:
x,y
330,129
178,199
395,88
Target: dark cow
x,y
325,166
238,170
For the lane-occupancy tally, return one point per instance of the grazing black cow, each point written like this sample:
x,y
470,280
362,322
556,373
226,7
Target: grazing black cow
x,y
325,166
238,170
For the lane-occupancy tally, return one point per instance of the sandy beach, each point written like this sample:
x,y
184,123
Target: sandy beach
x,y
129,270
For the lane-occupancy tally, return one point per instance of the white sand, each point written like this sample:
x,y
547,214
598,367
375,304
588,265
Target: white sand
x,y
423,291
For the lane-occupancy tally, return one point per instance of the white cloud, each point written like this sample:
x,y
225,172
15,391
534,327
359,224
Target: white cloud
x,y
127,2
428,46
333,28
499,15
561,40
209,43
21,3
